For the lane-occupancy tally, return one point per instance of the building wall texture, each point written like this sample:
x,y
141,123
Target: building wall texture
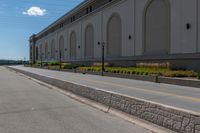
x,y
128,28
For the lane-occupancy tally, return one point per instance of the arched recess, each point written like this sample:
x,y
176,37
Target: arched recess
x,y
73,45
89,41
61,47
114,36
157,27
46,51
53,49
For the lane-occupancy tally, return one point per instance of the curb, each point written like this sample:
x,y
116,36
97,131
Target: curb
x,y
175,119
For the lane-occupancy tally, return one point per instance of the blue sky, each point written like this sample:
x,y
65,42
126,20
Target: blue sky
x,y
19,19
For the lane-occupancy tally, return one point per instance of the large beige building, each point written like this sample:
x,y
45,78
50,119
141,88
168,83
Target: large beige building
x,y
131,30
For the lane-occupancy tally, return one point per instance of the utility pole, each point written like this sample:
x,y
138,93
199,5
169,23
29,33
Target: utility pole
x,y
103,59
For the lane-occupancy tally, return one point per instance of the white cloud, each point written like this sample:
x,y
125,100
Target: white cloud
x,y
35,11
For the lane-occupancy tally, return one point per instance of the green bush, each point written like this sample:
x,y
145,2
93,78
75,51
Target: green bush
x,y
54,67
180,73
118,71
37,64
53,63
198,75
93,69
146,73
70,66
45,64
133,72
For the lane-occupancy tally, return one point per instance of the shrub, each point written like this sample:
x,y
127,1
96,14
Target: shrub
x,y
54,67
180,73
153,65
198,75
121,71
133,72
93,69
70,66
141,73
53,63
167,72
45,64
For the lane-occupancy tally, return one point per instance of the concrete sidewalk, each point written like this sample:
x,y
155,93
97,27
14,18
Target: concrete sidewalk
x,y
187,98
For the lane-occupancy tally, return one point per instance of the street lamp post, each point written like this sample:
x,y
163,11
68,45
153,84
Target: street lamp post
x,y
60,56
41,60
24,61
103,59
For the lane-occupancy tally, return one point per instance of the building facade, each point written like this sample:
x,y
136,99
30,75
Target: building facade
x,y
132,31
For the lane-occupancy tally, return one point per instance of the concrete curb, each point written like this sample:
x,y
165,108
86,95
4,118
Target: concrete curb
x,y
179,120
178,81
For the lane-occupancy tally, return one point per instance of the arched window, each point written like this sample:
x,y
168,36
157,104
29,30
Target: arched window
x,y
157,27
89,42
73,45
53,49
114,36
61,47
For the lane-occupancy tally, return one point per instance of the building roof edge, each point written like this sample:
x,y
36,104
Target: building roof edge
x,y
75,9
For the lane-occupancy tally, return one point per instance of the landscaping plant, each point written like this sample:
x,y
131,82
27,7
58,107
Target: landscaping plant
x,y
152,70
198,75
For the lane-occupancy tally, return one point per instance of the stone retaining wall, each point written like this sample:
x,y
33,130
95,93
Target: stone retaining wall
x,y
169,117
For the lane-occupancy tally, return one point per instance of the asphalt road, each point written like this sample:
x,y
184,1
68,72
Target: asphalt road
x,y
178,96
28,107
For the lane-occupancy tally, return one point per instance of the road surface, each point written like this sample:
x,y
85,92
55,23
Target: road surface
x,y
28,107
178,96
